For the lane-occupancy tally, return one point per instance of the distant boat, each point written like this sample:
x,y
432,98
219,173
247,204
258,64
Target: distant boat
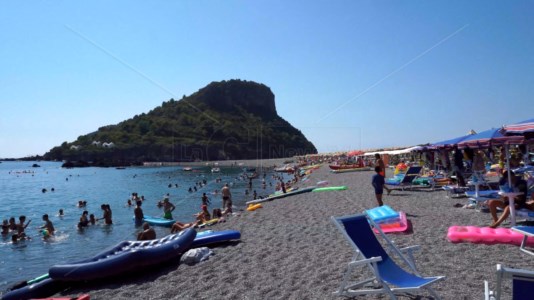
x,y
120,168
215,170
187,169
35,166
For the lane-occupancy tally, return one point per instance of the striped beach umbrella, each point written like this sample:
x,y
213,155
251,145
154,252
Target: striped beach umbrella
x,y
490,137
525,128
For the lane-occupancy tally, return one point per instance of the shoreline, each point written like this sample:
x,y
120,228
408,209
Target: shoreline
x,y
289,249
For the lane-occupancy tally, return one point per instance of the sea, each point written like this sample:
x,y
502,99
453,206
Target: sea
x,y
34,191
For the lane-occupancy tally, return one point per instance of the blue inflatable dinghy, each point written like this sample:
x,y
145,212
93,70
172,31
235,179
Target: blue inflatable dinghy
x,y
124,257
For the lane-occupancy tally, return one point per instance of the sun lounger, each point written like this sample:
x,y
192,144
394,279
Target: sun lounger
x,y
522,284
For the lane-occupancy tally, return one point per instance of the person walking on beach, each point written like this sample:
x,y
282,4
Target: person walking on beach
x,y
378,183
148,233
168,207
138,213
226,196
380,163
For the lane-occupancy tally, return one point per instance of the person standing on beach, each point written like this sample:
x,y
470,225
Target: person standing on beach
x,y
458,167
378,183
226,196
380,163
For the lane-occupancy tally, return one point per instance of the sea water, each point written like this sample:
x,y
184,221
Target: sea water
x,y
22,193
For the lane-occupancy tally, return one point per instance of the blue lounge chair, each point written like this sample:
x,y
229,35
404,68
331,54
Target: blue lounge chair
x,y
411,174
388,277
522,284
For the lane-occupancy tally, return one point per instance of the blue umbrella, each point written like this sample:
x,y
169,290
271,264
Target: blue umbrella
x,y
489,137
448,143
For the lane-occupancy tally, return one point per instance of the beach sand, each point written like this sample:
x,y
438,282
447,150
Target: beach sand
x,y
290,249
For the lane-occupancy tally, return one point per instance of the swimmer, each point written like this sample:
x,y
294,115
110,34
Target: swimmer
x,y
5,227
60,214
21,227
48,226
138,214
84,222
12,224
92,219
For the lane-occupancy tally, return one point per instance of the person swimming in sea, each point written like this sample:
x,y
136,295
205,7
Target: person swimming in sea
x,y
5,227
48,228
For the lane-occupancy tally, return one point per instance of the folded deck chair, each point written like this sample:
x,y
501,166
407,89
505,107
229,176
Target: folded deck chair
x,y
388,277
522,284
411,174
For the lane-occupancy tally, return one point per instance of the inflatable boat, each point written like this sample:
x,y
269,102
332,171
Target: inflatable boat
x,y
124,257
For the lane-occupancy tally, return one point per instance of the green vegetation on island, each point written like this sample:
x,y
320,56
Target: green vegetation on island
x,y
228,120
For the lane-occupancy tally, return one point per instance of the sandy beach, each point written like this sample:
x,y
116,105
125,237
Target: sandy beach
x,y
290,249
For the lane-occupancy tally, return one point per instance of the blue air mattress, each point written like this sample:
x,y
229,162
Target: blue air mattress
x,y
124,257
215,237
158,221
40,289
282,195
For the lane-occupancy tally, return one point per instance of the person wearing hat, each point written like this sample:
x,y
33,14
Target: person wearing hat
x,y
204,215
168,207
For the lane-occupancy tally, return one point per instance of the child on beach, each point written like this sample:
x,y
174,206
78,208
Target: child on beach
x,y
378,183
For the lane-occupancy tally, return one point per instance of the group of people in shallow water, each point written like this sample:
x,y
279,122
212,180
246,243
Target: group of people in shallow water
x,y
18,230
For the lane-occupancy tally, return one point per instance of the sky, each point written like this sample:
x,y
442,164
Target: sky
x,y
349,74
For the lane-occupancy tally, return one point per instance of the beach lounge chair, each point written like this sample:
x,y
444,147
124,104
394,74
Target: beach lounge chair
x,y
522,284
386,276
411,174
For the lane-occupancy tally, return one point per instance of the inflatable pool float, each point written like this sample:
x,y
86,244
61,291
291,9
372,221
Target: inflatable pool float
x,y
351,170
45,287
282,195
158,221
253,207
330,188
346,166
208,223
399,224
124,257
485,235
382,214
322,183
215,237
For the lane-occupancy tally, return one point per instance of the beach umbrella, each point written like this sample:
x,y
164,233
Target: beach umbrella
x,y
448,143
355,153
524,128
490,137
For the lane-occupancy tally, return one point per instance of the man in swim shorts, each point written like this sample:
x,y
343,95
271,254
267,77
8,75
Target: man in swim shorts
x,y
226,196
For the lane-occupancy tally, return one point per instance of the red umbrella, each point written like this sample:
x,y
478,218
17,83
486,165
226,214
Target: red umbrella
x,y
355,153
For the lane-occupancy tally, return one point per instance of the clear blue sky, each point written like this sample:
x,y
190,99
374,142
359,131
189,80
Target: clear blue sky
x,y
349,74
